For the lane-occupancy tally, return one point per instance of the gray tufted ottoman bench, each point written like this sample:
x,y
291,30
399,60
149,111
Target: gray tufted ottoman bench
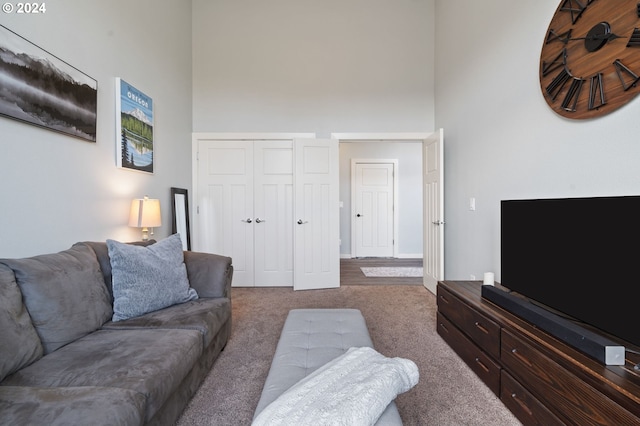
x,y
310,338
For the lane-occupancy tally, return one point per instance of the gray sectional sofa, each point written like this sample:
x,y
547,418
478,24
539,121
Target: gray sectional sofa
x,y
64,359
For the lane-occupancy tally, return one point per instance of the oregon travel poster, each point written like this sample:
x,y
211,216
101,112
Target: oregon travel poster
x,y
134,128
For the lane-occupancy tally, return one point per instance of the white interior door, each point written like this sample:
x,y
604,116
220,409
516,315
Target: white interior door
x,y
245,201
225,203
273,213
373,208
316,214
433,165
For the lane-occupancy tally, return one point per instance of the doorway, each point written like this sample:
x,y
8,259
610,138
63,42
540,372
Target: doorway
x,y
431,183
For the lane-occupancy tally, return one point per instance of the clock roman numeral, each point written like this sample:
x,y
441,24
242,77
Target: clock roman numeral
x,y
627,77
557,84
558,61
574,7
634,40
571,98
554,36
596,92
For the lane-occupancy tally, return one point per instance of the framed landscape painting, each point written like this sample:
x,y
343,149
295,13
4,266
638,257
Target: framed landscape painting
x,y
41,89
134,128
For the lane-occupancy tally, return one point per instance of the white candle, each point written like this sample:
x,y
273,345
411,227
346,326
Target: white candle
x,y
488,278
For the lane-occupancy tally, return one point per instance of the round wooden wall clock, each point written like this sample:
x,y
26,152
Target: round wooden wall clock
x,y
590,59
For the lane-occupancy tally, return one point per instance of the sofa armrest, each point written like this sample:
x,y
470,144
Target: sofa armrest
x,y
209,274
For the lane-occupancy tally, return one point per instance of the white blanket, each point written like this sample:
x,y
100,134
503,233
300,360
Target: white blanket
x,y
353,389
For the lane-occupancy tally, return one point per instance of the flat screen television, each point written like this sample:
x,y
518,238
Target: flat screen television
x,y
579,257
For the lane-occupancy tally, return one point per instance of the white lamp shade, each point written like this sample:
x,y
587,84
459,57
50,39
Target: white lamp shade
x,y
145,213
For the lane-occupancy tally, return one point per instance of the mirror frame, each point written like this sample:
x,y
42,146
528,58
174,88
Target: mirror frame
x,y
180,220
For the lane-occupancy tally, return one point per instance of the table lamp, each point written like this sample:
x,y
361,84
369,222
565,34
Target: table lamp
x,y
145,214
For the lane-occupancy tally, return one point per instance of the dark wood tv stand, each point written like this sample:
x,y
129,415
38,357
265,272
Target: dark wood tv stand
x,y
539,378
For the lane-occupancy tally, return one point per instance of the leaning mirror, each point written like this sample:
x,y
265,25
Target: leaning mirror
x,y
180,209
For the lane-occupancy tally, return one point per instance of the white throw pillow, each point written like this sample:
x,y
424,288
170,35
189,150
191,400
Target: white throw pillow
x,y
149,278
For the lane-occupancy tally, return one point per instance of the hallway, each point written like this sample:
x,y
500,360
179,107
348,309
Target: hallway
x,y
351,274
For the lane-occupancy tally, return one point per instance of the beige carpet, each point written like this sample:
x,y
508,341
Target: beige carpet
x,y
401,321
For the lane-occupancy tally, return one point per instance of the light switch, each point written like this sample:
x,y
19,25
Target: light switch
x,y
472,204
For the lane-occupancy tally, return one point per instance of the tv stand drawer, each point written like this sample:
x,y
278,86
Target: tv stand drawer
x,y
482,330
575,400
524,405
485,368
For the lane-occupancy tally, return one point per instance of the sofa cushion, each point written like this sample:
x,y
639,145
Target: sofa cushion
x,y
102,253
99,406
204,315
64,293
209,274
151,362
15,327
146,279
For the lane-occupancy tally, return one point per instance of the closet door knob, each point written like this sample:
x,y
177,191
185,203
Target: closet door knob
x,y
248,220
300,222
258,220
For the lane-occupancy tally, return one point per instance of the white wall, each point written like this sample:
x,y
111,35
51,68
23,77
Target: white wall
x,y
502,141
409,156
57,190
313,66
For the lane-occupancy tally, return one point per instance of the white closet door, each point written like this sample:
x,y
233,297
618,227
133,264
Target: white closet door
x,y
273,212
225,200
316,212
247,194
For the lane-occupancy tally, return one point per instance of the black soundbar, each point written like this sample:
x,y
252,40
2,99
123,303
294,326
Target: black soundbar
x,y
596,346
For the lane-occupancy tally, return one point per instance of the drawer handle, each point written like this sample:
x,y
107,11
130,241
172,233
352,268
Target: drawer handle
x,y
444,299
444,327
522,404
524,360
481,327
484,367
